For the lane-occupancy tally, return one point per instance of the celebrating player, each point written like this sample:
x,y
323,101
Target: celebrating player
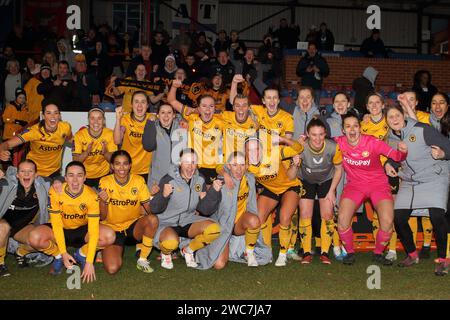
x,y
365,180
125,207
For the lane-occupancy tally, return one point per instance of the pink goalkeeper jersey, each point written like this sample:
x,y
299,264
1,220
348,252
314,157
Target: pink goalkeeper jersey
x,y
362,162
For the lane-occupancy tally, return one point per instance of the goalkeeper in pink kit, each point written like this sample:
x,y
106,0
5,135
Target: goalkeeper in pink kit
x,y
366,179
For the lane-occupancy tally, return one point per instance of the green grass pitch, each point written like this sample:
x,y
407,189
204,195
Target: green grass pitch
x,y
236,281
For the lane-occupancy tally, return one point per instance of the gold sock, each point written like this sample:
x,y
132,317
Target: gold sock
x,y
251,236
448,246
23,250
266,230
211,233
84,250
326,234
139,246
336,239
52,249
305,231
147,245
285,236
168,246
413,225
393,242
294,230
317,242
375,225
2,254
427,228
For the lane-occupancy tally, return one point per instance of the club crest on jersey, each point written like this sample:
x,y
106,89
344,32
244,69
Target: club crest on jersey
x,y
134,191
365,154
412,138
279,124
83,207
197,187
317,161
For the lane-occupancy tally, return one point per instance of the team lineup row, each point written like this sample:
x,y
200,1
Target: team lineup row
x,y
273,159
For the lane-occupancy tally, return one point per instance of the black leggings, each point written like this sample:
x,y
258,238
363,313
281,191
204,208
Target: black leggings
x,y
440,228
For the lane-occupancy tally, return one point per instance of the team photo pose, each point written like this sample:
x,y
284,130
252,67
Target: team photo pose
x,y
238,218
23,207
182,194
128,132
424,183
125,208
46,138
93,146
365,180
74,216
319,167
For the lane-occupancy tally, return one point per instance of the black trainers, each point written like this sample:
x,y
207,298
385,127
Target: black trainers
x,y
442,267
380,259
21,261
408,262
425,252
4,271
349,259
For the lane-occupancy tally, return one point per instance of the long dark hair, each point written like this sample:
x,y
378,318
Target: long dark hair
x,y
41,124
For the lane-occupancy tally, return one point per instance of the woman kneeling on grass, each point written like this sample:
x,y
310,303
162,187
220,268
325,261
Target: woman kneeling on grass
x,y
125,207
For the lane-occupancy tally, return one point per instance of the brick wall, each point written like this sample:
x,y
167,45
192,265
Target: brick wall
x,y
391,71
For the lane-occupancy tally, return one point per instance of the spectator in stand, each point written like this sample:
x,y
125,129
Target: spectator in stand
x,y
222,42
287,35
88,44
325,38
16,115
12,81
34,98
313,68
160,50
237,48
86,85
193,69
60,91
115,55
424,89
362,87
223,66
373,46
169,68
99,65
181,54
202,48
8,54
31,69
17,41
270,55
142,58
160,28
312,34
50,59
65,52
184,37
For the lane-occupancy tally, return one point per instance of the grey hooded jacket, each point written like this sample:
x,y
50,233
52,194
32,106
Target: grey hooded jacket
x,y
156,140
301,119
179,208
207,256
8,193
424,180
